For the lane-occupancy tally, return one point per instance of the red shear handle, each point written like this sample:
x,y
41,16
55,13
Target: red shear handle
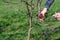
x,y
41,17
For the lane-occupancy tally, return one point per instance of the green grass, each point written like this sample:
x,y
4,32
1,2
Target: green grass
x,y
14,21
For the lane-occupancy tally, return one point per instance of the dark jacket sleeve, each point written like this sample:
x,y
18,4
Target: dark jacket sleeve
x,y
48,3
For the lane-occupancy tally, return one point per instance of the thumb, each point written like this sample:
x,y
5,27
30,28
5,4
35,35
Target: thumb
x,y
53,15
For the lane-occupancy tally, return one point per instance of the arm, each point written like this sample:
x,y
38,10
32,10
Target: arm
x,y
44,11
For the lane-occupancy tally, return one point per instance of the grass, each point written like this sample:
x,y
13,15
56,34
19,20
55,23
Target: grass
x,y
14,21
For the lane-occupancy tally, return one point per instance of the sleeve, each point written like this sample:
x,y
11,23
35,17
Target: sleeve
x,y
48,3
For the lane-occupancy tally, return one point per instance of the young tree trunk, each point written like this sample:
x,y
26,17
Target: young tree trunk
x,y
30,21
38,11
38,8
30,18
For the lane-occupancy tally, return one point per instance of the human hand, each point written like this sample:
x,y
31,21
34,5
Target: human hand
x,y
57,16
